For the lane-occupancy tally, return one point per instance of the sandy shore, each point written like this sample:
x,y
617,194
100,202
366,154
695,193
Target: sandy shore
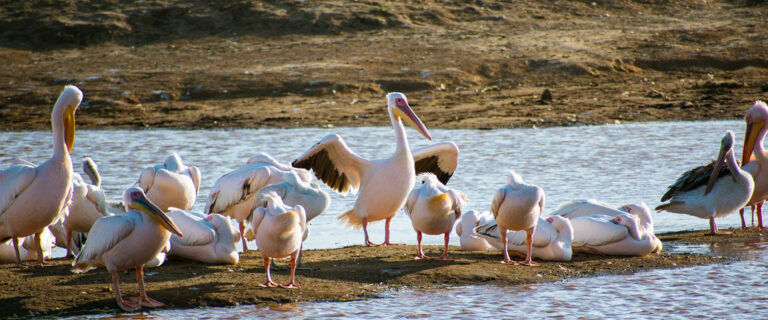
x,y
327,275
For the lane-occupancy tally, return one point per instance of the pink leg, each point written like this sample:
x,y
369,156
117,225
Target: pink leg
x,y
242,236
143,299
292,284
421,253
269,283
744,223
386,234
712,226
529,242
38,243
365,231
753,215
69,242
503,233
123,304
445,251
760,216
16,247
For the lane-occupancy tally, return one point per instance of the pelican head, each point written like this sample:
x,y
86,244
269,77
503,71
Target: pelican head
x,y
399,108
135,198
561,224
173,162
427,178
514,179
66,105
629,221
726,147
755,118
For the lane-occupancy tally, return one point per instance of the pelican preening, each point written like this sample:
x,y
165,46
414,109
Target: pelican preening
x,y
711,191
234,193
382,184
591,207
207,238
126,241
517,206
295,191
33,197
279,230
88,202
618,235
550,241
433,209
754,137
171,184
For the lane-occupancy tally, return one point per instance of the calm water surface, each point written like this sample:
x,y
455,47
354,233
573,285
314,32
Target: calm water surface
x,y
613,163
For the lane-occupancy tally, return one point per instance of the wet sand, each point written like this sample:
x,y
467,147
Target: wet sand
x,y
327,275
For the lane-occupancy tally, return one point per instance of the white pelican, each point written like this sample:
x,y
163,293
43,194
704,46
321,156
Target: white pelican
x,y
707,191
234,193
756,118
591,207
382,184
207,238
279,230
171,184
619,235
126,241
88,203
27,248
551,240
33,197
517,206
465,229
295,191
433,209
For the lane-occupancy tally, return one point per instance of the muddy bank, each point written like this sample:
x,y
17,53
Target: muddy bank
x,y
463,64
327,275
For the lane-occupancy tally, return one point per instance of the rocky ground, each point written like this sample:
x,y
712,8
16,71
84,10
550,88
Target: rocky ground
x,y
326,275
462,63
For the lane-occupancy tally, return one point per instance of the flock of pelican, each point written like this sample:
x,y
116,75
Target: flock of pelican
x,y
278,200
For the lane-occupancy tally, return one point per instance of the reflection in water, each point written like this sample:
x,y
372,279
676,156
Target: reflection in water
x,y
617,164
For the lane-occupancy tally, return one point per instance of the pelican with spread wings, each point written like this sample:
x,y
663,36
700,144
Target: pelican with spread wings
x,y
382,184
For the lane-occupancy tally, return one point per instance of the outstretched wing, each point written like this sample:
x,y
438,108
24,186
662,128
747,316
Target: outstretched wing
x,y
440,159
333,163
238,185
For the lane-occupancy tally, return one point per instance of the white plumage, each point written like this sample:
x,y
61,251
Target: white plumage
x,y
551,240
517,206
433,209
207,238
171,184
279,230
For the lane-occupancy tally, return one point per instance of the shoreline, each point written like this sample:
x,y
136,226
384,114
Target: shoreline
x,y
339,274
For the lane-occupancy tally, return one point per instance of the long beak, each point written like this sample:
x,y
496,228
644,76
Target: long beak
x,y
413,120
716,170
750,138
69,127
154,211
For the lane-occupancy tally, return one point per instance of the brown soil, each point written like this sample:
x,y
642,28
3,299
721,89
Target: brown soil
x,y
327,275
463,63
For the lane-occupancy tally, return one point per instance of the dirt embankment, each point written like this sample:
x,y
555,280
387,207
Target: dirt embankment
x,y
463,64
327,275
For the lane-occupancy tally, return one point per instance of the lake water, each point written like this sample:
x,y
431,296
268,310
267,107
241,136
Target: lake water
x,y
614,163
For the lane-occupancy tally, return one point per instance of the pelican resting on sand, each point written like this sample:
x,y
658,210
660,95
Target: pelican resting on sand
x,y
88,202
126,241
295,191
27,248
517,206
551,240
171,184
207,238
619,235
33,197
711,191
756,118
592,207
234,193
382,184
433,209
279,230
465,229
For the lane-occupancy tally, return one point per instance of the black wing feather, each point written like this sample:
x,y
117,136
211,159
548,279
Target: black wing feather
x,y
693,179
429,164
